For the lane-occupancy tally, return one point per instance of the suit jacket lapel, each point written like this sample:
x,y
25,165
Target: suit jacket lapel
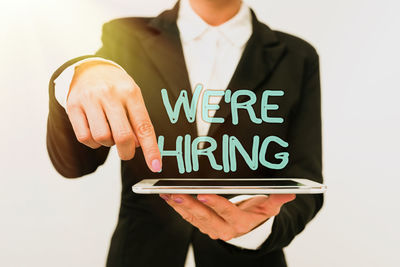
x,y
260,56
165,50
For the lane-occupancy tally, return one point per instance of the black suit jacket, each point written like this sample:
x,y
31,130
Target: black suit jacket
x,y
150,233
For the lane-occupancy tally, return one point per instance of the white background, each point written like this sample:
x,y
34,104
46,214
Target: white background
x,y
46,220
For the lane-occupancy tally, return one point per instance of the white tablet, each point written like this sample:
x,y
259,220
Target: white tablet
x,y
229,186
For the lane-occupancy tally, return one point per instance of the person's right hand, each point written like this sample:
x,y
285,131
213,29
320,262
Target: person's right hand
x,y
106,107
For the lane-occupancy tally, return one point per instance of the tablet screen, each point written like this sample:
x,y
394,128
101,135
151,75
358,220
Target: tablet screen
x,y
201,183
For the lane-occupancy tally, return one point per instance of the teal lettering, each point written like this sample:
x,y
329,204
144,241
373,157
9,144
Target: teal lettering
x,y
207,106
204,151
244,105
283,156
190,110
188,161
251,162
265,106
174,153
225,152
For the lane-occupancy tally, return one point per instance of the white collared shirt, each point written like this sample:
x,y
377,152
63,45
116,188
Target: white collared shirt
x,y
212,54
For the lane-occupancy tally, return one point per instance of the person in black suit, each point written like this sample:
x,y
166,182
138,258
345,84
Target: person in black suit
x,y
108,105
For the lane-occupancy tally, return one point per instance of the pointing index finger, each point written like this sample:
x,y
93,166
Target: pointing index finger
x,y
144,130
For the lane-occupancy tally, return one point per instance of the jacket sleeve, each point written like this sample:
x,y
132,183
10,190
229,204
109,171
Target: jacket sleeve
x,y
305,150
69,157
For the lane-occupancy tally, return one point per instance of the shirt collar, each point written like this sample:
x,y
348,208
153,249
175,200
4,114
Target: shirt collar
x,y
237,30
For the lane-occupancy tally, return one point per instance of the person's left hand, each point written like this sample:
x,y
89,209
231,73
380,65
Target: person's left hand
x,y
217,217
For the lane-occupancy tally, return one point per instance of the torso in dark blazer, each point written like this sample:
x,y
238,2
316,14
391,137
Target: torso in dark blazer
x,y
150,233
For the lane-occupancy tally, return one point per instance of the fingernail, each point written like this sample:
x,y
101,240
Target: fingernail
x,y
156,165
165,197
178,200
201,198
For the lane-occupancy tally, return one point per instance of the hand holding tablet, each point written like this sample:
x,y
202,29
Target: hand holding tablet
x,y
215,215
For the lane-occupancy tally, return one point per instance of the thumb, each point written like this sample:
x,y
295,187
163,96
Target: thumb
x,y
280,199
